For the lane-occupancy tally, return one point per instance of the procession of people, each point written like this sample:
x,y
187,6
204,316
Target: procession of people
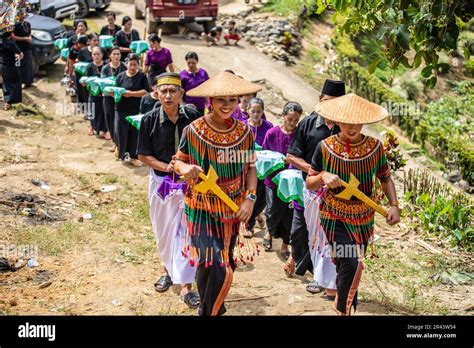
x,y
201,137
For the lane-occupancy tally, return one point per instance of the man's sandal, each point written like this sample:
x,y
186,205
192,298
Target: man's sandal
x,y
191,299
163,284
314,288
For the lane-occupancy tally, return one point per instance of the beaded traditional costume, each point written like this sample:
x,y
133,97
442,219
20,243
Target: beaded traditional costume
x,y
365,160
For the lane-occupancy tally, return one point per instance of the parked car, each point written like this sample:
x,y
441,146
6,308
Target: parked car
x,y
44,32
60,9
86,5
157,12
57,9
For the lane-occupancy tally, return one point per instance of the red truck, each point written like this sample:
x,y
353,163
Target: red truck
x,y
157,12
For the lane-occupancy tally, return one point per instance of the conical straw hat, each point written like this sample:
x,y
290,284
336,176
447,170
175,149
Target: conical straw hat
x,y
224,84
351,109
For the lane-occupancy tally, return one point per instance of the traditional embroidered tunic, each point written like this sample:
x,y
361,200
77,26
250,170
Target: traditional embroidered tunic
x,y
366,160
212,225
349,223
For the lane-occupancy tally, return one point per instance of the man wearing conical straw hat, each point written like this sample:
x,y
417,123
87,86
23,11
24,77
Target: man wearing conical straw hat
x,y
347,214
217,141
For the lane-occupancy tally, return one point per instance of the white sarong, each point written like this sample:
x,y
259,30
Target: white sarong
x,y
170,228
324,270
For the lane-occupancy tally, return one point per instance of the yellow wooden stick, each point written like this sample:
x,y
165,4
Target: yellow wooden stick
x,y
352,190
209,183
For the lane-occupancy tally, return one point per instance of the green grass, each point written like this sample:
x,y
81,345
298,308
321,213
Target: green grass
x,y
286,8
110,179
315,55
410,272
51,240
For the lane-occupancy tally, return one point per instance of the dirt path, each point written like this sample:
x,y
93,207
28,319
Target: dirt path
x,y
108,265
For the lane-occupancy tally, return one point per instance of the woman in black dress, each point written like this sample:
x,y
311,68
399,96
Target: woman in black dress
x,y
10,57
22,35
136,86
111,28
79,29
126,36
112,69
96,108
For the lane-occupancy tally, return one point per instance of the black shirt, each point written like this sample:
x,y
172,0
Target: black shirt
x,y
108,70
309,133
94,70
148,103
8,48
85,55
159,137
131,105
106,31
23,29
124,40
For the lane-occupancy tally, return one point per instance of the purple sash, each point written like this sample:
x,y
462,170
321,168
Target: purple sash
x,y
168,186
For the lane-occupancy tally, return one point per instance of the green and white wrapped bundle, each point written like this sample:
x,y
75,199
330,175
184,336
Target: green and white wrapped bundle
x,y
80,68
135,120
59,44
105,82
64,53
290,185
106,41
118,92
268,162
139,47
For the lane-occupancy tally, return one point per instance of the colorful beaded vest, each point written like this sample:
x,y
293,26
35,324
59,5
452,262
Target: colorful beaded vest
x,y
230,152
366,160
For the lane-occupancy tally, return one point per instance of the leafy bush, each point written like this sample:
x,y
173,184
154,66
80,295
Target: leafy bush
x,y
448,217
447,124
433,206
469,66
345,47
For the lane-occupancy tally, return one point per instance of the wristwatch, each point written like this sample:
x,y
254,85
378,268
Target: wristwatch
x,y
251,195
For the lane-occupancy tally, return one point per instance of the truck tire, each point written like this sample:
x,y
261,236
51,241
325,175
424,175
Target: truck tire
x,y
138,13
151,25
83,11
34,62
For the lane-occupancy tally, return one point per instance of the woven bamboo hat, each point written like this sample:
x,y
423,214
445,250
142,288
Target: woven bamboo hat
x,y
224,84
351,109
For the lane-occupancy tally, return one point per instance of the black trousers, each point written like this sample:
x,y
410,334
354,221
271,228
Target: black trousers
x,y
96,113
109,116
299,241
259,205
26,68
348,268
279,216
11,84
126,136
81,92
214,279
